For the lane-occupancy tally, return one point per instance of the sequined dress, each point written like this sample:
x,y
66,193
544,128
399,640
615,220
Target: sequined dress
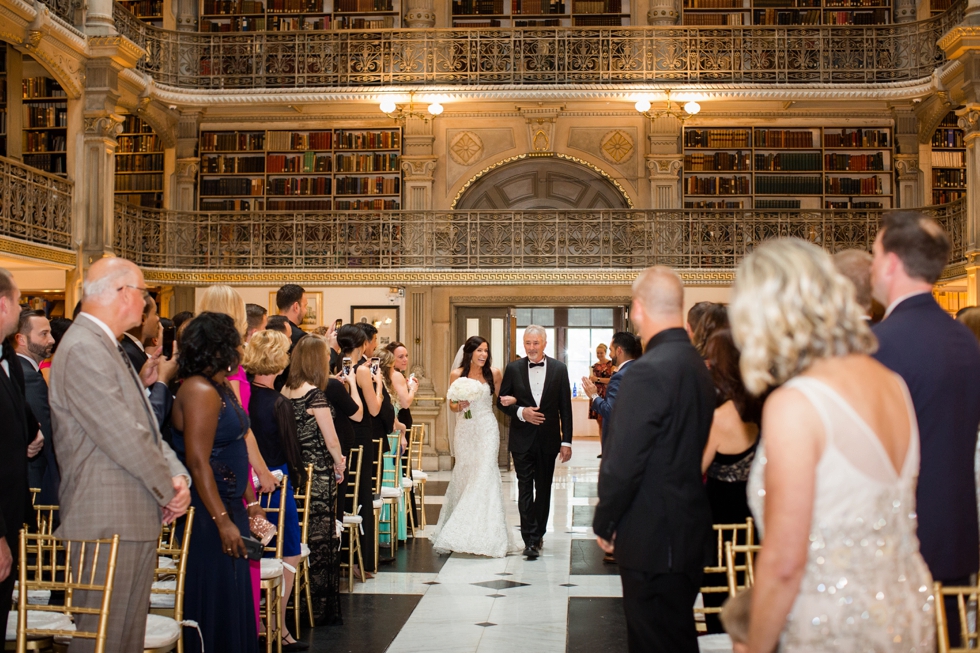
x,y
866,587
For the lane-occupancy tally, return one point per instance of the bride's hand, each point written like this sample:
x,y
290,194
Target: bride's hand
x,y
508,400
461,406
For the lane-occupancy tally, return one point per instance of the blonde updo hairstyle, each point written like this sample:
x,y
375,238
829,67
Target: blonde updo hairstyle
x,y
386,363
267,353
791,307
225,299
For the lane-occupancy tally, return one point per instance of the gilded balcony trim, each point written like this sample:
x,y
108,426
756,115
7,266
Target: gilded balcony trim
x,y
35,252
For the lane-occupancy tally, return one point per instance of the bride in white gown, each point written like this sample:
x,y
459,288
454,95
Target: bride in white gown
x,y
472,519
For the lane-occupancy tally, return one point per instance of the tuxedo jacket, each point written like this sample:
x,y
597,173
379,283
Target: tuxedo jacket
x,y
116,470
36,395
939,359
19,429
556,405
136,355
604,405
650,491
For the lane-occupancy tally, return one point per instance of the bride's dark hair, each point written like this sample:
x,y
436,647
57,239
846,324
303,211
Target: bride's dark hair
x,y
471,345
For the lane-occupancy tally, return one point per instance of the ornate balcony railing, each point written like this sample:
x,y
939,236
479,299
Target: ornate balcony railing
x,y
530,56
485,240
35,206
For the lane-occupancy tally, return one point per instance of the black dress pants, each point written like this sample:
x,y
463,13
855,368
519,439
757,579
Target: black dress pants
x,y
660,611
535,470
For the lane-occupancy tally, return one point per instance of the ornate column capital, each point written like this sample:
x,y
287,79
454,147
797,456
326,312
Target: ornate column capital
x,y
665,166
186,170
907,166
663,12
420,14
419,168
106,126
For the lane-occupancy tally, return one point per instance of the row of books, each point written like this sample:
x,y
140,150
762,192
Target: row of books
x,y
716,138
788,161
296,6
854,162
232,164
367,205
232,205
546,22
873,17
3,126
534,7
948,138
360,140
596,21
597,6
306,162
850,186
948,159
47,114
283,24
367,162
135,125
368,186
141,143
949,178
786,17
232,141
698,162
41,87
481,23
54,163
300,186
714,205
139,182
947,196
232,186
714,4
712,19
347,22
782,138
142,163
299,141
299,205
235,24
232,7
777,204
716,186
355,5
857,138
788,185
145,8
44,142
477,7
852,205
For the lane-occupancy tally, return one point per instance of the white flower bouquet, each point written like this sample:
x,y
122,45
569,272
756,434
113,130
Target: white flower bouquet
x,y
465,389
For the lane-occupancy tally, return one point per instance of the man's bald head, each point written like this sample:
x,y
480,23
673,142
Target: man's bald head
x,y
660,291
105,277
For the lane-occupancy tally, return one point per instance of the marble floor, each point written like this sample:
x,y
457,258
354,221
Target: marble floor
x,y
565,601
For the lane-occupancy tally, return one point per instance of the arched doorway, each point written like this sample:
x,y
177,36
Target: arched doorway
x,y
542,183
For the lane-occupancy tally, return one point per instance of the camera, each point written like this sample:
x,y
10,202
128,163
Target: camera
x,y
375,365
347,366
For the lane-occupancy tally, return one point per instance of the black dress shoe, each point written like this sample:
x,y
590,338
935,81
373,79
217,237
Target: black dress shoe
x,y
537,545
530,553
294,646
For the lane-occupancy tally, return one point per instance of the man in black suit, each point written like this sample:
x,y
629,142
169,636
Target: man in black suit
x,y
33,343
624,348
16,445
291,302
653,511
940,362
132,341
540,431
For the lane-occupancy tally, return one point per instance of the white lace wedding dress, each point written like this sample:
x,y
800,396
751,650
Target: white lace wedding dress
x,y
472,518
866,587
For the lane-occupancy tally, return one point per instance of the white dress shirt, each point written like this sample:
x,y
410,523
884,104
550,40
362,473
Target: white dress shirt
x,y
535,377
894,304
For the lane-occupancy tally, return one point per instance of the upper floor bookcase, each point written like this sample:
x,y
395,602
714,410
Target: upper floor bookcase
x,y
787,12
139,164
291,15
540,13
44,124
948,161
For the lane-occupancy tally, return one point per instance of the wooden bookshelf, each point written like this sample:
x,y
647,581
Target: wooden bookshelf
x,y
45,122
948,161
540,13
3,99
139,164
148,11
292,15
301,170
787,12
788,168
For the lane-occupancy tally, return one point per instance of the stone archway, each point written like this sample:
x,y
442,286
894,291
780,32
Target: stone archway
x,y
542,183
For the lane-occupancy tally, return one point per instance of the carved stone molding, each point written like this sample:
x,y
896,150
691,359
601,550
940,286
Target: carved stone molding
x,y
540,123
664,166
23,249
420,14
466,148
186,169
907,166
662,12
616,146
419,169
107,126
931,112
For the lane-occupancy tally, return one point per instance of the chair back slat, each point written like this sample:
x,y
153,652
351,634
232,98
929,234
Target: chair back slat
x,y
302,498
966,608
265,501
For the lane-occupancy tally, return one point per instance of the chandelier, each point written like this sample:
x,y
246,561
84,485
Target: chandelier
x,y
403,113
691,108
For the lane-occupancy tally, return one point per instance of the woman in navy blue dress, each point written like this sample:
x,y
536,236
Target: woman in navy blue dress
x,y
209,427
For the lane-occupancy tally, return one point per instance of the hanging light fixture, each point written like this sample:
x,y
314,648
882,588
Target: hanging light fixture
x,y
691,108
391,109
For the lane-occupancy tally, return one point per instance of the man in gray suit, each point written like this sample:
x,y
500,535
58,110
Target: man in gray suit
x,y
118,475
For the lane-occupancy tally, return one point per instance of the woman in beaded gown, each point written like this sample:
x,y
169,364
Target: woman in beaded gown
x,y
832,487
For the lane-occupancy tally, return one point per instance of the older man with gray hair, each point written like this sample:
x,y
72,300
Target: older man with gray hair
x,y
118,475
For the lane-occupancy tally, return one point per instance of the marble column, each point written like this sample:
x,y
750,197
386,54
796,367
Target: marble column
x,y
665,160
98,18
97,184
970,123
420,14
908,178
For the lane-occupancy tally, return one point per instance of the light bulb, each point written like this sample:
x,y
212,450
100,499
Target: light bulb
x,y
692,107
642,105
387,105
435,108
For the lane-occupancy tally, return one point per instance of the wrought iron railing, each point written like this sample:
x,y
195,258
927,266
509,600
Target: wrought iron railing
x,y
529,56
485,240
35,206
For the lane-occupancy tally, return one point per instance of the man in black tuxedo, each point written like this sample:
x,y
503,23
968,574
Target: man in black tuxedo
x,y
653,511
19,439
132,341
540,431
940,362
291,302
33,343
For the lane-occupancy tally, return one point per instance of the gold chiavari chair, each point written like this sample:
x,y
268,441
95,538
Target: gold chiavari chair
x,y
391,491
966,602
272,572
40,624
353,520
301,581
378,500
738,535
35,491
747,567
415,471
44,516
164,623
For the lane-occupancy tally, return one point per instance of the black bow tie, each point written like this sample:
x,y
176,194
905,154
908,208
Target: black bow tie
x,y
533,365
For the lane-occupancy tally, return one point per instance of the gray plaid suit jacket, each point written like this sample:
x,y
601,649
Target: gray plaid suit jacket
x,y
116,470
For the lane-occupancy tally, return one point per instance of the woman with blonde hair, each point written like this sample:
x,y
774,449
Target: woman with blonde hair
x,y
833,483
397,440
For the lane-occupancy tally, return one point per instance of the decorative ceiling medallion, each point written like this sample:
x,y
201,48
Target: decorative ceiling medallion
x,y
466,148
616,146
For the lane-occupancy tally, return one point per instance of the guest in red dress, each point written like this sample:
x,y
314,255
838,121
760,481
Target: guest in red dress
x,y
601,372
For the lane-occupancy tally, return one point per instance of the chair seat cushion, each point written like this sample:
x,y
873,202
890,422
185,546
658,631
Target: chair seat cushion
x,y
390,493
164,562
40,620
407,483
304,550
352,520
378,503
419,475
160,631
271,568
34,597
158,600
715,643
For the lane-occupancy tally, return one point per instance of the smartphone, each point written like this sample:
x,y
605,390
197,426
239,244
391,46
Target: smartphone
x,y
337,323
375,364
169,334
253,548
347,366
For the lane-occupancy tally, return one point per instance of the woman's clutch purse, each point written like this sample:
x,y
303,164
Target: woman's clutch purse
x,y
262,529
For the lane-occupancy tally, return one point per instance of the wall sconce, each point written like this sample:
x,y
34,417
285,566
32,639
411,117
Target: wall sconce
x,y
691,108
401,114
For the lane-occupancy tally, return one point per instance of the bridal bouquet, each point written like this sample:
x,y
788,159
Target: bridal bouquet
x,y
464,389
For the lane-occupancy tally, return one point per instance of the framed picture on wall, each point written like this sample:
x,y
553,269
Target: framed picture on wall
x,y
314,310
384,318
